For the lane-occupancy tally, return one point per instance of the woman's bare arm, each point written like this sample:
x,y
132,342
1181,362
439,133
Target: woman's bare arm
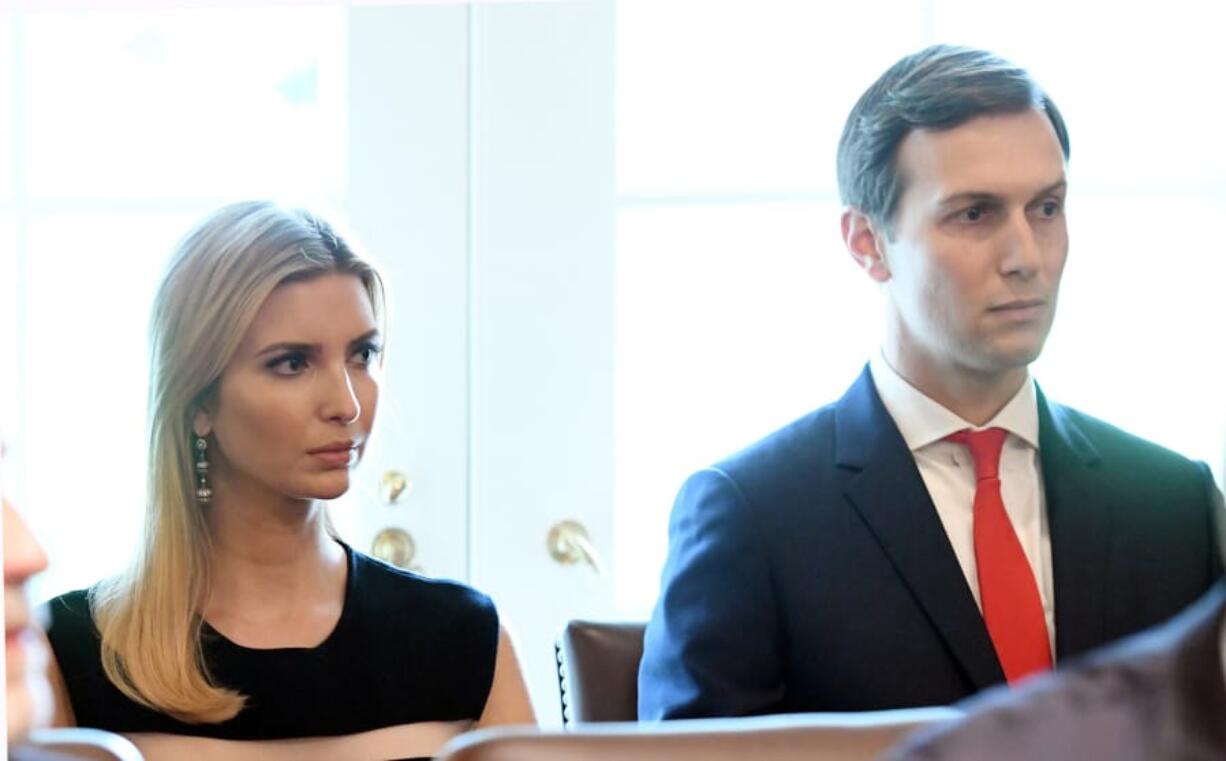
x,y
508,702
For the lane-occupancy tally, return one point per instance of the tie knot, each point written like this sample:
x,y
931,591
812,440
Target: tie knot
x,y
985,449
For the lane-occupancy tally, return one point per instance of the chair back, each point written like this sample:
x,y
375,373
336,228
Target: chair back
x,y
598,671
795,737
74,744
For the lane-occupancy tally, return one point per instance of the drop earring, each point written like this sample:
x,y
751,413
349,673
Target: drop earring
x,y
203,493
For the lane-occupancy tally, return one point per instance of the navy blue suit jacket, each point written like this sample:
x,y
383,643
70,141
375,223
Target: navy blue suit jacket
x,y
810,572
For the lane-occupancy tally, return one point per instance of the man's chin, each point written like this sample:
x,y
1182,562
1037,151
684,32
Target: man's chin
x,y
1004,361
1015,351
1021,357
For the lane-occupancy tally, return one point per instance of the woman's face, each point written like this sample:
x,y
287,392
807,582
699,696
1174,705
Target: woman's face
x,y
296,403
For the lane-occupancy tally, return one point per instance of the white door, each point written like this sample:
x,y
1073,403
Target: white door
x,y
481,177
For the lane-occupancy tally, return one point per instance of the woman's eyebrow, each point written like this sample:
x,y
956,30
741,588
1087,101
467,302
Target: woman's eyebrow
x,y
287,346
369,335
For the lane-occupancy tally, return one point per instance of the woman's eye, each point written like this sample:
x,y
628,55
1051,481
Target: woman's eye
x,y
288,364
366,353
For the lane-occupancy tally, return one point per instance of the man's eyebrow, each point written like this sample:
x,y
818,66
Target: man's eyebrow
x,y
1056,187
980,196
970,196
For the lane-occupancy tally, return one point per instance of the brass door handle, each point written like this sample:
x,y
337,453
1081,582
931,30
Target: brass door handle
x,y
395,546
393,485
568,543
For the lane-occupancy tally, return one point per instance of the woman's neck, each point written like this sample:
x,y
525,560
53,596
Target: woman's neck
x,y
273,565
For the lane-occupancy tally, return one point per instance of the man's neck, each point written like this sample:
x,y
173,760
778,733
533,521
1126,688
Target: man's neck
x,y
974,397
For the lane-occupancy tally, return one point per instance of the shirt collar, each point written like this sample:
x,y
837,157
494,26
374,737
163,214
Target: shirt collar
x,y
922,421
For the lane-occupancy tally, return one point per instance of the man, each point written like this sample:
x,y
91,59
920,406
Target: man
x,y
943,527
1160,694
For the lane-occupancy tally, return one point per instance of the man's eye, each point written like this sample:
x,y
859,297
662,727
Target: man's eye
x,y
973,214
1051,208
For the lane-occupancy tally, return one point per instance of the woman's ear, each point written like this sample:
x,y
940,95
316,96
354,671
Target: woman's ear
x,y
202,424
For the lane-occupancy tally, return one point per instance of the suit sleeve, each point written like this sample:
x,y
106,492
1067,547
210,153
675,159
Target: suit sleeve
x,y
711,648
1217,523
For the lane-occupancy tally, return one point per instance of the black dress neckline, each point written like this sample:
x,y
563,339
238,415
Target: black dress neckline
x,y
406,649
215,638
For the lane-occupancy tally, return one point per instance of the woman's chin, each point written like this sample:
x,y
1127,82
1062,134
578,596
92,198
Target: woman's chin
x,y
330,485
29,705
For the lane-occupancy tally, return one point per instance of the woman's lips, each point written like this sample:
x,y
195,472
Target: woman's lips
x,y
336,458
17,641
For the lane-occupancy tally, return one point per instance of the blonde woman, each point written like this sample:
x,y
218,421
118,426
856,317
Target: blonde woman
x,y
244,627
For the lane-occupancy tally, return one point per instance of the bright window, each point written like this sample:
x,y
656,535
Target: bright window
x,y
8,137
187,104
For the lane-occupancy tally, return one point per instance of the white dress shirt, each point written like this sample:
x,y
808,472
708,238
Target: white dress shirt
x,y
949,473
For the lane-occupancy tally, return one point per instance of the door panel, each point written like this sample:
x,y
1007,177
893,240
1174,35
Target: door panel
x,y
408,206
489,203
542,314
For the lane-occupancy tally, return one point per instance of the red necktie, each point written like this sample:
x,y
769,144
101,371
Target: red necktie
x,y
1012,608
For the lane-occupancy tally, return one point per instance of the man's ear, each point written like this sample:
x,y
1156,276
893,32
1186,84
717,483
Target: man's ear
x,y
865,243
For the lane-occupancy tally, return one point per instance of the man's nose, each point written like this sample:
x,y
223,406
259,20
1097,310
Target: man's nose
x,y
1022,254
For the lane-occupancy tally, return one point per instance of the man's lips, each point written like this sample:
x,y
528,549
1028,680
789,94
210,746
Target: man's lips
x,y
1021,310
1018,305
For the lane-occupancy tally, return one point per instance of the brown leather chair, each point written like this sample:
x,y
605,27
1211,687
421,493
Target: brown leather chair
x,y
74,744
598,671
794,737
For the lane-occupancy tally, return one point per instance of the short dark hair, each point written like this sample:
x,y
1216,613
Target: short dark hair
x,y
939,87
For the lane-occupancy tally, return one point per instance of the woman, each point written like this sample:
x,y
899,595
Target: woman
x,y
244,619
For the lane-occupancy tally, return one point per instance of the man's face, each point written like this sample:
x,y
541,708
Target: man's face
x,y
978,246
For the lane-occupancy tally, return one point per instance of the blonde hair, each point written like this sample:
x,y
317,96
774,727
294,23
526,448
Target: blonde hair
x,y
218,277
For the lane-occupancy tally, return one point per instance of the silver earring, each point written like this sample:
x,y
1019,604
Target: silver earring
x,y
203,492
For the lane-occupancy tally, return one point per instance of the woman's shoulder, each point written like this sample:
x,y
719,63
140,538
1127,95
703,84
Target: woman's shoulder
x,y
75,603
375,579
75,642
453,627
70,622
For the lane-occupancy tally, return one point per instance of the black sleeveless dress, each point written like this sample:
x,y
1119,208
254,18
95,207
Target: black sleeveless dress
x,y
406,649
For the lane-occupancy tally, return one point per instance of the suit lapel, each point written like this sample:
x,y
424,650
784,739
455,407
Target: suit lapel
x,y
1079,521
889,494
